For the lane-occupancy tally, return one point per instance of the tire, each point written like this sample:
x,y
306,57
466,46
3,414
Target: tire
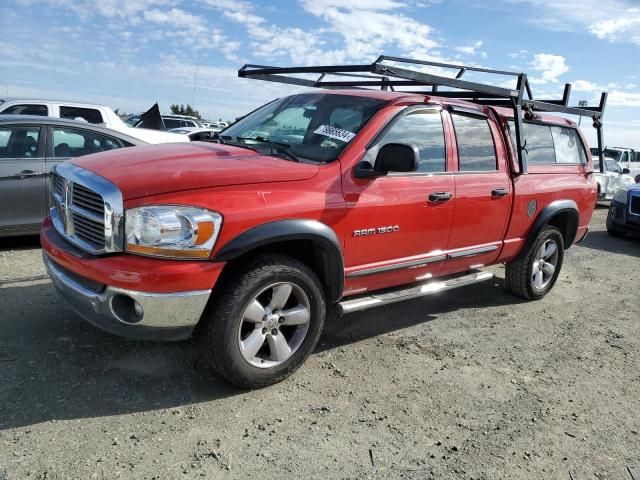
x,y
526,277
234,326
614,232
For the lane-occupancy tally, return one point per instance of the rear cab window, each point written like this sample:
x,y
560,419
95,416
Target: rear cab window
x,y
27,109
551,144
89,115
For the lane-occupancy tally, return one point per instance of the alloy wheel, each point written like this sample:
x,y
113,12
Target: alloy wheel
x,y
544,265
274,324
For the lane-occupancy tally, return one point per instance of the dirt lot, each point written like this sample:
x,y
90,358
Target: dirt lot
x,y
473,384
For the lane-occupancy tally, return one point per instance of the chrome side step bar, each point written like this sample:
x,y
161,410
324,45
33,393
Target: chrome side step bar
x,y
429,288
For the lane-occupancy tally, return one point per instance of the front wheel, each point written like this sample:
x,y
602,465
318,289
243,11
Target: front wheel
x,y
263,323
533,275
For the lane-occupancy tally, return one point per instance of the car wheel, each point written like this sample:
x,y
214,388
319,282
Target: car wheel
x,y
533,275
264,323
615,233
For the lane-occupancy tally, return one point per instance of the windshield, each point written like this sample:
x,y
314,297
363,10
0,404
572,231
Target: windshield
x,y
615,154
313,126
132,120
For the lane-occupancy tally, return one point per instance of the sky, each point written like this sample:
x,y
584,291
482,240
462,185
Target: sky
x,y
129,54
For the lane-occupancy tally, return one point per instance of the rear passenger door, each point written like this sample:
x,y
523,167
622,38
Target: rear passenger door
x,y
22,176
483,191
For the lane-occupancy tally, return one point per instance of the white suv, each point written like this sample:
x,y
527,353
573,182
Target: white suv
x,y
96,114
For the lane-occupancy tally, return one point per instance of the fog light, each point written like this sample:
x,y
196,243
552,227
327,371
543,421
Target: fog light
x,y
126,309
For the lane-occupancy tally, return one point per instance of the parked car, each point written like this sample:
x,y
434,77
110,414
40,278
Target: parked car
x,y
29,147
197,133
624,211
626,158
613,178
375,197
87,112
171,122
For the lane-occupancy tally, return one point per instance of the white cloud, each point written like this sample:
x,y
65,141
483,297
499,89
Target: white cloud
x,y
470,49
613,20
619,29
550,67
585,86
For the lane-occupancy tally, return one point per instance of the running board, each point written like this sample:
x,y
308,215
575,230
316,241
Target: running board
x,y
429,288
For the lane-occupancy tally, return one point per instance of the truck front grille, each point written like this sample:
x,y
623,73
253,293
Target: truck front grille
x,y
87,209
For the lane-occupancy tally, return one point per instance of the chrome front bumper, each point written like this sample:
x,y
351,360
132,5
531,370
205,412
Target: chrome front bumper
x,y
128,313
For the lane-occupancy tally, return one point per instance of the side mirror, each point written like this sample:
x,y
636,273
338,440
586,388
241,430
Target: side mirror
x,y
392,157
626,171
397,157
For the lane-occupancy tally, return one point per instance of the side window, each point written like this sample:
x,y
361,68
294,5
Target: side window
x,y
422,129
623,157
19,142
569,148
40,110
476,150
170,123
539,143
70,142
90,115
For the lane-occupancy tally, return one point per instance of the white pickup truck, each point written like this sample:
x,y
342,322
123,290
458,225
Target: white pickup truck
x,y
91,113
627,158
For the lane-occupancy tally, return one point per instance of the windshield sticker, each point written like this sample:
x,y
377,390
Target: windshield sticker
x,y
335,133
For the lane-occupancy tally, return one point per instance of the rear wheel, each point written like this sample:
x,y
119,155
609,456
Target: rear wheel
x,y
263,324
613,231
533,275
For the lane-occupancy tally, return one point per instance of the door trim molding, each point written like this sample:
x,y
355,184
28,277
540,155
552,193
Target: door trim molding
x,y
397,266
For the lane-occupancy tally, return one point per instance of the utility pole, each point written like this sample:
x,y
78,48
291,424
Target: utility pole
x,y
193,97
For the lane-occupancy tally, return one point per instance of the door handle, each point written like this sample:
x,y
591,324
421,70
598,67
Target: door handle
x,y
499,192
440,196
27,174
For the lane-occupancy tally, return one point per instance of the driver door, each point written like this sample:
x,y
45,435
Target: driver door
x,y
398,225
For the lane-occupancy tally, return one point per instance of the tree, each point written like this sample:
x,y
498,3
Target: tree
x,y
182,110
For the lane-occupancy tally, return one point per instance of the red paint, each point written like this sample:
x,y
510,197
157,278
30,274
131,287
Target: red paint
x,y
250,189
132,272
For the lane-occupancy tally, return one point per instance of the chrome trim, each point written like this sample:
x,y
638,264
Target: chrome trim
x,y
160,310
631,195
61,212
401,294
397,266
471,252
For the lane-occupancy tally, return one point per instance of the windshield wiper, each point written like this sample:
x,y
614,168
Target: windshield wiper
x,y
280,147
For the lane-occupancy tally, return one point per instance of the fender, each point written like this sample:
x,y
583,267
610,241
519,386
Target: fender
x,y
323,237
544,218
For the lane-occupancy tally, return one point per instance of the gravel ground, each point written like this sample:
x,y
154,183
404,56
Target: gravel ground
x,y
472,384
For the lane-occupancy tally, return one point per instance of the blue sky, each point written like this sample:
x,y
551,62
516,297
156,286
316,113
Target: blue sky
x,y
131,53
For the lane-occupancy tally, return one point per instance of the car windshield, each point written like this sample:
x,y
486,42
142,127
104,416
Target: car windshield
x,y
313,126
132,121
615,154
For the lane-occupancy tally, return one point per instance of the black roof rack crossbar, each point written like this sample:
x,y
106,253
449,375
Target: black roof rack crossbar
x,y
389,72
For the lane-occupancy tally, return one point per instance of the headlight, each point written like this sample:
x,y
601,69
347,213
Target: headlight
x,y
172,231
620,196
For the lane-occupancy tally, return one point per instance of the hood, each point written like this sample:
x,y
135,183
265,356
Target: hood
x,y
157,169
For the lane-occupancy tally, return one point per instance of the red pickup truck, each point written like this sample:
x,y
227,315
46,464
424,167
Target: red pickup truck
x,y
344,198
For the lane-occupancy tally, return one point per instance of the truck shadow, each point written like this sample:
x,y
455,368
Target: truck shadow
x,y
54,366
601,240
